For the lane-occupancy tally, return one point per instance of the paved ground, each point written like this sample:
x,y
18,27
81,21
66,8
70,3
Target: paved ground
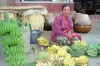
x,y
91,37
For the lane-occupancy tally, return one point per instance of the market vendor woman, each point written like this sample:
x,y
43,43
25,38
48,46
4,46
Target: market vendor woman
x,y
62,27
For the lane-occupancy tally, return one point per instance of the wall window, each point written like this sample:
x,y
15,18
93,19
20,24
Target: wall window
x,y
37,0
46,0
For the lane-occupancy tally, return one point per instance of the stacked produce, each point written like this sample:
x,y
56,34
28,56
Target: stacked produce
x,y
42,59
42,41
6,26
39,63
93,50
81,61
16,56
42,56
77,50
56,60
64,41
71,55
81,42
69,62
58,54
12,42
62,52
53,49
58,57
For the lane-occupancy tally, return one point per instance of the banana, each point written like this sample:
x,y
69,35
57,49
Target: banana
x,y
53,49
42,41
69,62
62,52
83,43
81,60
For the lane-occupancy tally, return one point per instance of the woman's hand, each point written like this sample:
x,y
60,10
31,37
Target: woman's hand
x,y
69,37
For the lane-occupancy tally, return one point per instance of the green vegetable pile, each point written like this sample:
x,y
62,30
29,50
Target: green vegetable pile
x,y
12,42
77,50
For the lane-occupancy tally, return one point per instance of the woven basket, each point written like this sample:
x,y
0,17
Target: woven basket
x,y
26,39
82,18
11,14
1,16
36,21
82,29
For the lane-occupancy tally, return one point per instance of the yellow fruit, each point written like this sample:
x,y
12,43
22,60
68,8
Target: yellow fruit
x,y
64,47
40,63
85,65
42,41
68,56
83,43
53,49
69,62
82,60
54,57
62,52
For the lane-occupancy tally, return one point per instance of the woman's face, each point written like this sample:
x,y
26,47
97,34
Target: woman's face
x,y
66,10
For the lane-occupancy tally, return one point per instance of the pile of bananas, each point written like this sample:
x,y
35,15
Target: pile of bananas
x,y
61,52
64,47
40,63
7,26
42,56
56,60
92,52
15,56
68,56
83,43
11,40
54,57
53,49
13,46
81,61
42,41
69,62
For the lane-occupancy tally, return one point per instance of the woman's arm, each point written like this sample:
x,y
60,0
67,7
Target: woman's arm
x,y
71,24
57,26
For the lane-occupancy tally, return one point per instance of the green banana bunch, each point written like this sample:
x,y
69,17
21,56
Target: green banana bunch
x,y
42,56
13,46
17,32
6,27
11,40
92,52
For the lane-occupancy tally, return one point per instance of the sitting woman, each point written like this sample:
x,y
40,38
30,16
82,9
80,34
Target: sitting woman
x,y
62,28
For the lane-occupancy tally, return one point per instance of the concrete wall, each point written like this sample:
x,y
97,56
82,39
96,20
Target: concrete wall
x,y
51,7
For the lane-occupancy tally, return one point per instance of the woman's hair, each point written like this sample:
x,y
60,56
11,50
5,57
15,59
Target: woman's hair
x,y
65,6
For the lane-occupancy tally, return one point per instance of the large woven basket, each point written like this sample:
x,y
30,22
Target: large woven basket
x,y
82,18
36,21
26,39
82,29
